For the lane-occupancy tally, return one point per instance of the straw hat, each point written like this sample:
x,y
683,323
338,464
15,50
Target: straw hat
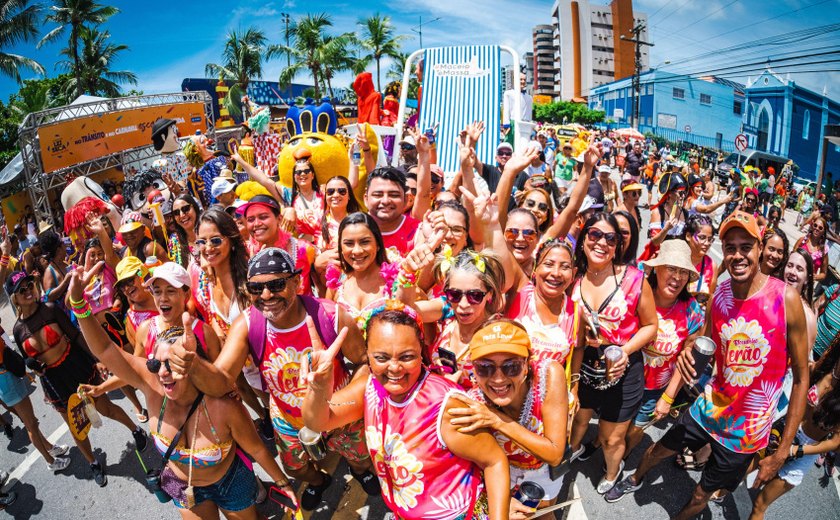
x,y
44,226
675,253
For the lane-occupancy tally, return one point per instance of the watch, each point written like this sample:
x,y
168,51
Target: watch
x,y
800,451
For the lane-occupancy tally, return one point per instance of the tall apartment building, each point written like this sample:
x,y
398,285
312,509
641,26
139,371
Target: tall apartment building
x,y
590,51
544,61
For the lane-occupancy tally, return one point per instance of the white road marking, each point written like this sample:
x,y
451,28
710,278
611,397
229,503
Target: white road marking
x,y
576,511
30,459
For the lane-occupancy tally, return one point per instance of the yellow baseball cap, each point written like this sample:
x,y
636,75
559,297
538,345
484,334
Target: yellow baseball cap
x,y
129,267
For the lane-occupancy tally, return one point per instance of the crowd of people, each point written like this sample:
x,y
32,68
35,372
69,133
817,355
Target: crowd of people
x,y
452,343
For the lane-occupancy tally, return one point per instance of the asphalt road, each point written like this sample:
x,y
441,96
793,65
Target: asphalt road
x,y
73,495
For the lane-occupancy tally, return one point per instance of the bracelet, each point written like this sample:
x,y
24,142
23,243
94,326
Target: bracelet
x,y
81,315
574,379
4,260
282,483
667,398
77,304
406,280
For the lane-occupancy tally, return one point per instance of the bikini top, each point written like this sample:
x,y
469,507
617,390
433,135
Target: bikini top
x,y
53,338
201,457
813,396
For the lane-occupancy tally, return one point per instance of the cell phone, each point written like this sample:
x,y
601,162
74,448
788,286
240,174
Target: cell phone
x,y
448,360
277,496
593,329
430,133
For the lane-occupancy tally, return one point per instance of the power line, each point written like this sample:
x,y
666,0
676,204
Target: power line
x,y
678,31
666,4
741,28
672,12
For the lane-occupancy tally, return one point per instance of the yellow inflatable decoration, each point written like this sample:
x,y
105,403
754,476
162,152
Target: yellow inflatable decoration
x,y
314,128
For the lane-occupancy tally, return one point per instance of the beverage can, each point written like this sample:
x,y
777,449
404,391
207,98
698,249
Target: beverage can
x,y
529,493
313,443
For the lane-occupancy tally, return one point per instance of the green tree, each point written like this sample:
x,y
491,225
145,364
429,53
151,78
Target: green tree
x,y
379,40
311,48
75,14
395,73
337,58
562,112
242,60
97,57
18,24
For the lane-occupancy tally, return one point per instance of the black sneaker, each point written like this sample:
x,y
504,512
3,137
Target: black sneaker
x,y
369,482
8,431
7,499
311,497
141,440
589,449
99,475
621,488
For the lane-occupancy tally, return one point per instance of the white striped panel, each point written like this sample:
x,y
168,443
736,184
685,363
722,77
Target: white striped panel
x,y
454,102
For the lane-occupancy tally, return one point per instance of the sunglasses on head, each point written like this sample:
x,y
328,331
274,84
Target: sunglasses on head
x,y
486,369
273,286
531,204
333,191
595,234
181,211
406,146
474,296
303,172
513,233
215,242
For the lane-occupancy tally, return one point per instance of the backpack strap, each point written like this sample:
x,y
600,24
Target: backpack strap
x,y
257,325
324,315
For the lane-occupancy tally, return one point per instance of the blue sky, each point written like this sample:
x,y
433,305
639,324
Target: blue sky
x,y
169,41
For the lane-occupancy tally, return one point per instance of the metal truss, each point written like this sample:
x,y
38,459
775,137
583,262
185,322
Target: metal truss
x,y
39,184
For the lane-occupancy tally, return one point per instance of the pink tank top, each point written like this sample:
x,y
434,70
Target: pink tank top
x,y
137,317
309,215
100,291
675,325
817,254
420,477
285,350
751,359
548,340
531,418
618,320
401,239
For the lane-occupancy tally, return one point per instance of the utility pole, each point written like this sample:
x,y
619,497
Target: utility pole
x,y
637,80
286,18
419,28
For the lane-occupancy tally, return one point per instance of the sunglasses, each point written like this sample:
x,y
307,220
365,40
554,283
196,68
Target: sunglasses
x,y
474,296
513,233
485,369
701,298
457,231
25,288
632,193
181,211
273,286
677,271
504,154
413,191
153,365
531,204
407,147
436,179
303,172
214,242
595,235
332,191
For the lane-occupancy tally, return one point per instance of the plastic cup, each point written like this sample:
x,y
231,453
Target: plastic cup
x,y
613,355
313,443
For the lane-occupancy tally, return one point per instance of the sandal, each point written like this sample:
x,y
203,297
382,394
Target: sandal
x,y
142,416
688,462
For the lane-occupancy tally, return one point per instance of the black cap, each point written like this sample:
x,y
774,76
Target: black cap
x,y
272,260
160,125
15,280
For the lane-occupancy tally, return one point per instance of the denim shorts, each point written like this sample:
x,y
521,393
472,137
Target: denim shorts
x,y
794,470
235,491
645,414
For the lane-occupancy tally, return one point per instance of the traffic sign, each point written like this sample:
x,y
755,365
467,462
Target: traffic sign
x,y
740,142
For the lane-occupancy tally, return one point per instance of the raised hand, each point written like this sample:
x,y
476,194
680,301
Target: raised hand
x,y
474,131
421,140
182,353
519,162
94,223
474,417
592,154
486,206
317,371
6,244
423,255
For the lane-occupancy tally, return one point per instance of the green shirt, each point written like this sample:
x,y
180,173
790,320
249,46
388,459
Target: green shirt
x,y
565,168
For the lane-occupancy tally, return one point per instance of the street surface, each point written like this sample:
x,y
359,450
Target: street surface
x,y
73,495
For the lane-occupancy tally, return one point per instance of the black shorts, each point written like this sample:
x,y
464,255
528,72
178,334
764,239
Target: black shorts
x,y
619,403
725,469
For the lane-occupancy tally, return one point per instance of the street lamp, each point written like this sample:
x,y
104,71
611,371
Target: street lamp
x,y
419,28
286,18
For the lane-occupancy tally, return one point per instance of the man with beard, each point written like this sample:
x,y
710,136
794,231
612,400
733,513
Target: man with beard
x,y
275,331
750,205
758,325
635,161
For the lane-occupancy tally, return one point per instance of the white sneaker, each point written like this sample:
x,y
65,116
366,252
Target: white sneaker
x,y
605,485
59,450
59,464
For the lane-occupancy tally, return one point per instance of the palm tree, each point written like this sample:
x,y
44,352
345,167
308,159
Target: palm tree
x,y
337,58
379,40
242,57
95,61
75,14
312,49
395,73
18,23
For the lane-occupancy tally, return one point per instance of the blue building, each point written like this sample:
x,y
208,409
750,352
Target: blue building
x,y
785,119
706,111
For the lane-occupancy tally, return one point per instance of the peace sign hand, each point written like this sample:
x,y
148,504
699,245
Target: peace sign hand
x,y
423,255
486,206
317,373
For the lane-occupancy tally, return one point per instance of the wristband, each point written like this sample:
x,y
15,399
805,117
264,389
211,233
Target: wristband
x,y
800,451
667,398
81,315
574,379
77,304
4,260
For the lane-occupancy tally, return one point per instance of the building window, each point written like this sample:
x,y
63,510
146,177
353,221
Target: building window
x,y
679,93
737,107
806,124
705,99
